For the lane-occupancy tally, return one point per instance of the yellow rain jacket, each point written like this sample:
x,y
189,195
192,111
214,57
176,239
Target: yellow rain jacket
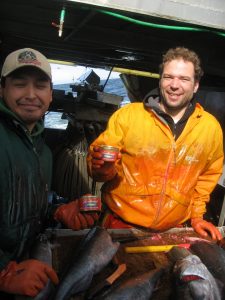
x,y
160,182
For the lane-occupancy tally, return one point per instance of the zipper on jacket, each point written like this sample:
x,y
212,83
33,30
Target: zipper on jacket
x,y
174,142
174,152
172,158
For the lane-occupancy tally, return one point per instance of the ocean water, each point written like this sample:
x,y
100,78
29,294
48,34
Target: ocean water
x,y
113,86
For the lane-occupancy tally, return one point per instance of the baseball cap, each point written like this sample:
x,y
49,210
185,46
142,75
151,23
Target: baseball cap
x,y
24,58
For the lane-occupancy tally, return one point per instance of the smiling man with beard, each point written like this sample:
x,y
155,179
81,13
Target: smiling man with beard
x,y
170,154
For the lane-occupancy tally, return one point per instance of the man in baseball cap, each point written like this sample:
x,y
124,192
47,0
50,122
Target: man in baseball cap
x,y
26,86
25,57
25,173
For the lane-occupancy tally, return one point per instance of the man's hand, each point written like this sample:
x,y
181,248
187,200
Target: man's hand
x,y
26,278
205,228
70,215
97,161
100,167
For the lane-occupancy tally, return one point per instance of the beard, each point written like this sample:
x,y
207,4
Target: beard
x,y
184,103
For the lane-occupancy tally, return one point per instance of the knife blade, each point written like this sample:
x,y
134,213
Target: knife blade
x,y
108,281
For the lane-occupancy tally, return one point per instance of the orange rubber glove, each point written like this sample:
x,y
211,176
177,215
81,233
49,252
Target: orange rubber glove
x,y
26,278
204,229
70,215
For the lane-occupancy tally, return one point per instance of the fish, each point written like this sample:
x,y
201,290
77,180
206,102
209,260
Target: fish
x,y
139,287
177,253
192,279
95,252
41,250
221,243
213,256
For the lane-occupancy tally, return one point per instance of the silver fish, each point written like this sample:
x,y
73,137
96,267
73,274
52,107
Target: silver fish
x,y
213,256
95,252
41,250
194,281
139,287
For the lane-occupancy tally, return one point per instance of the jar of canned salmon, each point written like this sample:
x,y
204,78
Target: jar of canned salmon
x,y
109,153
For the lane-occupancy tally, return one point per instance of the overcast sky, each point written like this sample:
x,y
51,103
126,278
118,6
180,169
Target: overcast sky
x,y
68,74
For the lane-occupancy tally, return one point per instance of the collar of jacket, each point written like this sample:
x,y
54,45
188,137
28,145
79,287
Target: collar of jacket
x,y
5,111
152,100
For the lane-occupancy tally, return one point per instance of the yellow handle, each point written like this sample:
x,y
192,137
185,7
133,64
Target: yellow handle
x,y
149,248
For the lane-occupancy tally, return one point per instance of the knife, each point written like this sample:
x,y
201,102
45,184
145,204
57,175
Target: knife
x,y
108,281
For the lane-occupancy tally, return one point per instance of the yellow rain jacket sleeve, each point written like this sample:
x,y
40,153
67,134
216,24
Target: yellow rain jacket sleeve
x,y
160,182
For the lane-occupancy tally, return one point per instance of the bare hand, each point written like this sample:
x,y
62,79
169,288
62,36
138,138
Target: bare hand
x,y
204,228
